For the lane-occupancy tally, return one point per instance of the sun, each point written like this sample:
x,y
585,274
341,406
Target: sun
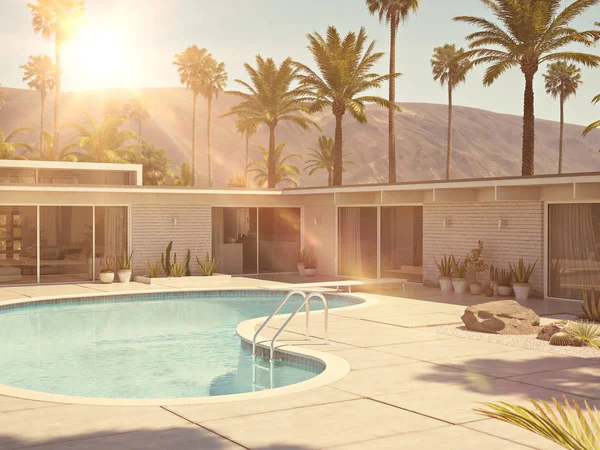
x,y
96,58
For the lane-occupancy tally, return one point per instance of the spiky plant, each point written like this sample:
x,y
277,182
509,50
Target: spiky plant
x,y
154,269
592,126
207,266
178,270
569,426
521,272
124,261
445,266
107,264
459,267
591,304
585,331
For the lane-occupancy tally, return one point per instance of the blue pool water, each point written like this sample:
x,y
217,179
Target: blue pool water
x,y
159,346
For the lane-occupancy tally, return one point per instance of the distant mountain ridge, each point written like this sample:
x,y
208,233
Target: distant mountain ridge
x,y
486,144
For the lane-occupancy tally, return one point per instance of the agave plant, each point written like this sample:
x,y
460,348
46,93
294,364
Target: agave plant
x,y
521,272
591,304
505,278
569,426
445,266
178,270
459,267
154,269
124,261
107,264
585,331
208,266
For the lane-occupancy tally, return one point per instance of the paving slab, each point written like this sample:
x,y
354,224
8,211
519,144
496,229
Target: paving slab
x,y
321,426
190,437
434,351
513,433
399,378
456,403
8,404
63,423
517,362
364,358
448,438
576,380
53,290
204,413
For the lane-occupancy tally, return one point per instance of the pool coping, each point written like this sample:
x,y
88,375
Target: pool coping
x,y
335,366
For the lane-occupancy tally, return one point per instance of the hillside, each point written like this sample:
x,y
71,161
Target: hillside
x,y
485,143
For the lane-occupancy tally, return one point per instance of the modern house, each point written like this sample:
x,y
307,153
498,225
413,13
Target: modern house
x,y
57,219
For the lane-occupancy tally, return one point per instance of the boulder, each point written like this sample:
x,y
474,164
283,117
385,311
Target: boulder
x,y
547,331
501,317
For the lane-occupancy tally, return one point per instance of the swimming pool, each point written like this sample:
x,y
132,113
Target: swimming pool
x,y
168,345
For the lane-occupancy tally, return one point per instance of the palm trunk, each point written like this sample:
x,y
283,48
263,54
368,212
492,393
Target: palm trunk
x,y
391,112
562,134
42,108
528,155
337,151
208,120
247,154
271,181
329,177
56,94
195,96
140,133
449,151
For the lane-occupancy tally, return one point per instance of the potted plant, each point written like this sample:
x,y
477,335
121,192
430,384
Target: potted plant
x,y
208,266
521,274
459,276
107,270
475,264
124,267
445,270
311,262
504,282
302,254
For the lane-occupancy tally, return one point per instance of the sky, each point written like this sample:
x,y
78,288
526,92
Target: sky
x,y
131,44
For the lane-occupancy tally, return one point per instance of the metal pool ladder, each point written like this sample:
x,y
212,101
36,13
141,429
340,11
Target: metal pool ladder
x,y
306,301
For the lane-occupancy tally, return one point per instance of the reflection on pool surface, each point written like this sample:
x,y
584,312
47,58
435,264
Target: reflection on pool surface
x,y
172,345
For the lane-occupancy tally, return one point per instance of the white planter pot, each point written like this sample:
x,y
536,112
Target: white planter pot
x,y
310,272
446,284
521,291
107,277
505,291
300,268
124,275
476,288
460,285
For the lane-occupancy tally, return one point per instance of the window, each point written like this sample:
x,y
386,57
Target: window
x,y
402,242
357,241
18,244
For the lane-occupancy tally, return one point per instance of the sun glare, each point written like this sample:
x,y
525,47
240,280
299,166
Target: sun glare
x,y
97,58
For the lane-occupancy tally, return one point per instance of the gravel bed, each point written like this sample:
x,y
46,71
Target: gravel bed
x,y
529,341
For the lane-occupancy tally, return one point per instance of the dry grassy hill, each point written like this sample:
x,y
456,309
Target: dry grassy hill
x,y
485,143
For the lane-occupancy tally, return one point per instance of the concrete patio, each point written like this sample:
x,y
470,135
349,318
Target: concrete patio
x,y
409,388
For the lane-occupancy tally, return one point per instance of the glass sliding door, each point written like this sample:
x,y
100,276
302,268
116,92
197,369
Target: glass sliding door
x,y
402,242
111,234
279,239
65,243
234,233
573,249
18,244
357,241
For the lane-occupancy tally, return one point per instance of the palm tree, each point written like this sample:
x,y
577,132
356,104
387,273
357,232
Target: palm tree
x,y
155,164
191,67
137,111
186,177
284,172
40,74
58,20
246,128
46,151
215,81
594,125
345,74
272,99
8,148
562,82
323,158
104,142
450,67
392,12
529,33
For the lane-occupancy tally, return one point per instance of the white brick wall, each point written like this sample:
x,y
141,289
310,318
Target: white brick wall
x,y
520,236
152,227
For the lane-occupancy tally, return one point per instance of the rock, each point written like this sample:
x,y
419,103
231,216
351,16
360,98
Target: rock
x,y
501,317
547,331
